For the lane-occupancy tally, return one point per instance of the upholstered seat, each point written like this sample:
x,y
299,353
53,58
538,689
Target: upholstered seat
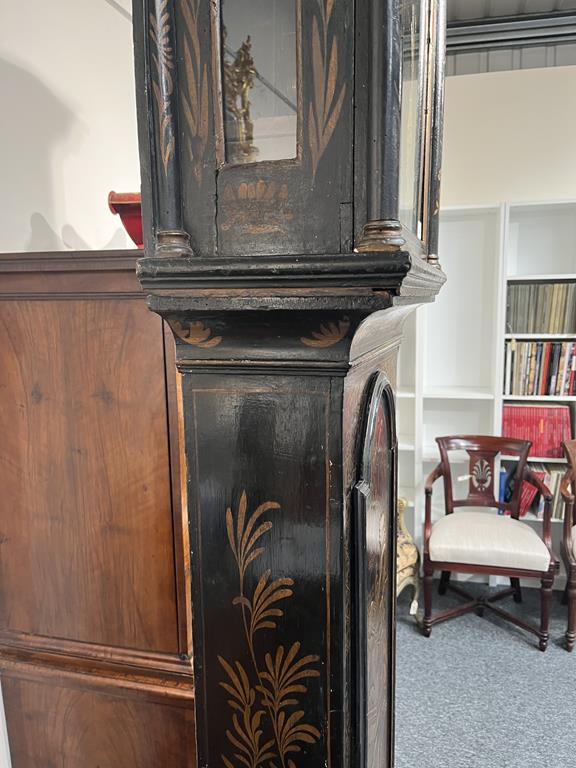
x,y
574,541
485,538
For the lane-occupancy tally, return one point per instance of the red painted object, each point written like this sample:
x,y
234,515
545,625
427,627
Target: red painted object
x,y
128,205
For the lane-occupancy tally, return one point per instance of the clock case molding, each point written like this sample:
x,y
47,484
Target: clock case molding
x,y
286,285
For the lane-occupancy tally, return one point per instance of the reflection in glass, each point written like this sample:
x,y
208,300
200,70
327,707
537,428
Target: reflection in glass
x,y
260,79
378,586
411,113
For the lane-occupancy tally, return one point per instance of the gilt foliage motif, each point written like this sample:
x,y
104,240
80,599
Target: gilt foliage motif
x,y
195,333
268,724
328,335
326,105
163,85
194,96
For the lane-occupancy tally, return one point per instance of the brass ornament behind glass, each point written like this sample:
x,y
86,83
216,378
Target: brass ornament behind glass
x,y
259,80
239,72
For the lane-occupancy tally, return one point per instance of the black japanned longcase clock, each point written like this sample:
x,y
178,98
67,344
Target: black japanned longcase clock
x,y
291,156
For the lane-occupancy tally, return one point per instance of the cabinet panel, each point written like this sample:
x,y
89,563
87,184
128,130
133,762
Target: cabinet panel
x,y
86,547
53,726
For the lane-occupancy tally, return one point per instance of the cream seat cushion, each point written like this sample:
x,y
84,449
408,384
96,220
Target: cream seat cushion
x,y
574,541
485,538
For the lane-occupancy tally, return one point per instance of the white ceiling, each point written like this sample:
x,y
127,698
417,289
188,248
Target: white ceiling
x,y
464,10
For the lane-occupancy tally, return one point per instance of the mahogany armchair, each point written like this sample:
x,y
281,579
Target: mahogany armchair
x,y
568,546
483,542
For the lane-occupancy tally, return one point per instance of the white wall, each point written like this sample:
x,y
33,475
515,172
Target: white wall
x,y
509,136
67,123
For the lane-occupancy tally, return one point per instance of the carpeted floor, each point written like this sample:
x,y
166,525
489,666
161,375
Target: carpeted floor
x,y
479,694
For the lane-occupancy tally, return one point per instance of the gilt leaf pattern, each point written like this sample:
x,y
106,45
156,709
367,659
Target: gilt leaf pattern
x,y
328,334
195,94
268,717
195,333
326,105
163,85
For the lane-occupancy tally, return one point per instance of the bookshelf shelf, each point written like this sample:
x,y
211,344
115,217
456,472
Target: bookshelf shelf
x,y
430,453
540,398
452,364
551,278
540,336
457,393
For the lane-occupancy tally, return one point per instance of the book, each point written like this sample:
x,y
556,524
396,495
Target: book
x,y
502,487
543,368
552,475
527,496
541,307
545,426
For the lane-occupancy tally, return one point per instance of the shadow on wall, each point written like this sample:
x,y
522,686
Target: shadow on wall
x,y
34,125
33,122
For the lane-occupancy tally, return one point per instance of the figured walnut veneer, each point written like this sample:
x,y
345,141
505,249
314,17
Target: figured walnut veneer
x,y
95,627
87,543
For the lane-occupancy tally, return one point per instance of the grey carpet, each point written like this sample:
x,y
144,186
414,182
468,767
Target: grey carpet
x,y
479,694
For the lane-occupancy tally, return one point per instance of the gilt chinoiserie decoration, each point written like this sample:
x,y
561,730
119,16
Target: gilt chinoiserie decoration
x,y
290,157
268,722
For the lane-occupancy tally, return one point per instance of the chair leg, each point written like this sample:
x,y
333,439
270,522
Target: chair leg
x,y
545,599
515,584
415,597
427,622
565,594
571,631
444,581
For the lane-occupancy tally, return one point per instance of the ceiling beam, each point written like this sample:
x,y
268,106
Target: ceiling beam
x,y
511,32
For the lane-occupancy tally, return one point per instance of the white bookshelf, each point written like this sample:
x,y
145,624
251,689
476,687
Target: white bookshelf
x,y
540,398
451,366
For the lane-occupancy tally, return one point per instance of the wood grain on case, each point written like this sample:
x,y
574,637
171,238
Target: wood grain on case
x,y
59,727
95,632
87,549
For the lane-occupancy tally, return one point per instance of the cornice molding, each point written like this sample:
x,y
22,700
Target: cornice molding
x,y
511,32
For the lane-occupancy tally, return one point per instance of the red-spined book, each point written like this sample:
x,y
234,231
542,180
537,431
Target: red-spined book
x,y
546,426
544,374
528,494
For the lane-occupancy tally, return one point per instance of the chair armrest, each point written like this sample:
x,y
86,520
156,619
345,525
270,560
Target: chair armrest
x,y
568,497
531,478
566,486
430,480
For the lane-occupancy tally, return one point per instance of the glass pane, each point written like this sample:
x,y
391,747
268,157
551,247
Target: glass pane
x,y
260,79
411,114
